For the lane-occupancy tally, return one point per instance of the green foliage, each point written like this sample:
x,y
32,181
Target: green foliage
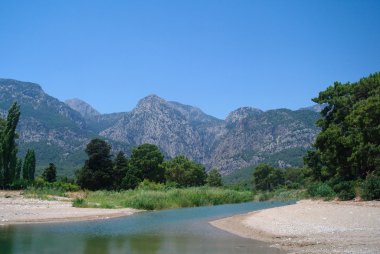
x,y
50,173
348,145
20,184
120,170
164,199
241,178
79,202
321,190
345,190
214,178
97,173
8,136
146,162
46,190
18,170
148,185
184,172
29,167
268,178
130,180
371,187
283,194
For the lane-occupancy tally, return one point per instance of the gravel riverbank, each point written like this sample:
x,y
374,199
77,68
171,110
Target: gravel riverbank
x,y
313,227
16,209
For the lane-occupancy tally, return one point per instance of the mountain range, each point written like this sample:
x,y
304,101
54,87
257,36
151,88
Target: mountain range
x,y
59,131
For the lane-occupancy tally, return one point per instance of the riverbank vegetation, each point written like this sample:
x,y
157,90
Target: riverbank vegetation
x,y
155,197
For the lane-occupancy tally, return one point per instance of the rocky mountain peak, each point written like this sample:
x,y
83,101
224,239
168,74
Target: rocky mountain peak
x,y
242,113
85,109
150,100
150,103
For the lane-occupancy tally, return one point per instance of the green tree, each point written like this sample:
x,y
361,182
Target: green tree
x,y
120,170
3,123
97,172
18,169
8,145
184,172
50,173
145,163
214,178
29,167
348,146
266,177
131,179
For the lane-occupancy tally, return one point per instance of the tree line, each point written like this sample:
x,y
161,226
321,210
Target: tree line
x,y
13,169
101,171
346,153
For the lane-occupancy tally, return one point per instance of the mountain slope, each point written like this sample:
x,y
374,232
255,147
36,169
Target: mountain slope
x,y
54,130
252,136
175,128
246,137
82,108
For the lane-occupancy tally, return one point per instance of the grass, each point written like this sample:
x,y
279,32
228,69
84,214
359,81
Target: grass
x,y
46,193
283,195
163,199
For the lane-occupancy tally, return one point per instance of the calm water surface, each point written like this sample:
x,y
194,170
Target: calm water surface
x,y
177,231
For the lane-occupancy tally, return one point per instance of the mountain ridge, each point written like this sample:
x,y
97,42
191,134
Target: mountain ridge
x,y
244,138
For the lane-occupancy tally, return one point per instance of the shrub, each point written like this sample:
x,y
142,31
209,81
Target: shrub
x,y
371,187
345,190
79,202
264,196
148,185
321,190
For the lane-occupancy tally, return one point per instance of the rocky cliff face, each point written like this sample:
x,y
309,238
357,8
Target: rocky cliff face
x,y
175,128
246,137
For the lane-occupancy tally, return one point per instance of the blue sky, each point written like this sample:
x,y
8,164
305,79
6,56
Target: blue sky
x,y
214,54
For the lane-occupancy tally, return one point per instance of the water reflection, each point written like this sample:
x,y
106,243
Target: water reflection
x,y
173,231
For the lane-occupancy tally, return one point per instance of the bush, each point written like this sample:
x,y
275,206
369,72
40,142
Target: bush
x,y
264,196
321,190
148,185
20,184
79,202
345,190
371,187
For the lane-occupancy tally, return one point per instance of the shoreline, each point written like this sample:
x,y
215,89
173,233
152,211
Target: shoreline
x,y
312,226
16,209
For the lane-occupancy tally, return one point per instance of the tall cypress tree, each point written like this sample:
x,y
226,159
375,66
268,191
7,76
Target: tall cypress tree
x,y
9,146
2,127
32,169
18,169
29,166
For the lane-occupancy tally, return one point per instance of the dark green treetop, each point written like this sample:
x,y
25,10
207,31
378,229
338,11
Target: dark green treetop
x,y
97,172
214,178
50,173
348,145
184,172
146,161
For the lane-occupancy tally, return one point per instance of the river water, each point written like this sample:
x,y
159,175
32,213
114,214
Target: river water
x,y
177,231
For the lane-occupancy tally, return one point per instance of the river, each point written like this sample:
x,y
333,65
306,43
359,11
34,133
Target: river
x,y
177,231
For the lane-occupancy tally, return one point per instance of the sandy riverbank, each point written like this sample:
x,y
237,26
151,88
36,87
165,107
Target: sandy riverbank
x,y
312,227
16,209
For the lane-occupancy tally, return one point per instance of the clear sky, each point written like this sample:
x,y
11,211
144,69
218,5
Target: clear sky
x,y
214,54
